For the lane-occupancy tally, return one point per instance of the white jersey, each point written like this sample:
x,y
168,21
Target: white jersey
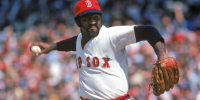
x,y
102,63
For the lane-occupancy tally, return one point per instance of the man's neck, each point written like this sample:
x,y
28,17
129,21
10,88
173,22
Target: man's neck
x,y
85,39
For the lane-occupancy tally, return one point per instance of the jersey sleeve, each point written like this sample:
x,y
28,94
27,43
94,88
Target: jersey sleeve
x,y
120,36
67,44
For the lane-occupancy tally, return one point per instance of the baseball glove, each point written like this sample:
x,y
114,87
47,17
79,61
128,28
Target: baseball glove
x,y
165,75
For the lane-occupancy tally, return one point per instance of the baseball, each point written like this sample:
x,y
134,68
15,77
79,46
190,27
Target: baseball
x,y
35,49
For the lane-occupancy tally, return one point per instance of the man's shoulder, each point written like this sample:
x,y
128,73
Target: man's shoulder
x,y
109,28
117,28
79,36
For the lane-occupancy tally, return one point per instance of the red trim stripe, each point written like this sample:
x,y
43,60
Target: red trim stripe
x,y
83,98
124,97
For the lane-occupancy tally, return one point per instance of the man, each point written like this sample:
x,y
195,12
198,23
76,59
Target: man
x,y
100,52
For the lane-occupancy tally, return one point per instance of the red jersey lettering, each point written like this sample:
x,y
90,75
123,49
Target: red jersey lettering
x,y
95,62
79,62
88,61
106,64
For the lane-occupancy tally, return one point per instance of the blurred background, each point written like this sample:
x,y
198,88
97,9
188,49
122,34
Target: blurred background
x,y
54,76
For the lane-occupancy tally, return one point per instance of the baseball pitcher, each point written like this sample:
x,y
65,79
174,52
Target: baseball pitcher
x,y
101,56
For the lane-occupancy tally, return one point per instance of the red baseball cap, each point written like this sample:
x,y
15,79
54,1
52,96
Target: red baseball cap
x,y
83,7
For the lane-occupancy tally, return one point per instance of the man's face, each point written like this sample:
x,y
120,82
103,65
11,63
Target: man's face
x,y
90,24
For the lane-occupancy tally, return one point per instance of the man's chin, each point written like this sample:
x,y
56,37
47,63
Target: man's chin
x,y
93,33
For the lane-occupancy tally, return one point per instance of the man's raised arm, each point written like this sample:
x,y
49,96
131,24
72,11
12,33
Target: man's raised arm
x,y
64,45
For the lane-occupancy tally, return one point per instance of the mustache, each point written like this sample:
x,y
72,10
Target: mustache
x,y
93,25
91,32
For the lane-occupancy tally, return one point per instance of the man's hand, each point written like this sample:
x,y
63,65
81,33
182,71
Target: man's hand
x,y
45,48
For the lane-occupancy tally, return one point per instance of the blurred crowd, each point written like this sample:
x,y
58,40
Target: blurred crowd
x,y
54,76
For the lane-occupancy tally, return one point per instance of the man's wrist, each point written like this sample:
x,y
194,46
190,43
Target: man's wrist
x,y
52,47
160,50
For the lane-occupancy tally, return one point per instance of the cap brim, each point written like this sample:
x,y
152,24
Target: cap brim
x,y
89,11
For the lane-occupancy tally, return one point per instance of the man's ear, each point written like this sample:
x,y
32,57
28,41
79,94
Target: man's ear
x,y
77,21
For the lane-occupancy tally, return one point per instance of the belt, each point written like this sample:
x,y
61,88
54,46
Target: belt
x,y
124,97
